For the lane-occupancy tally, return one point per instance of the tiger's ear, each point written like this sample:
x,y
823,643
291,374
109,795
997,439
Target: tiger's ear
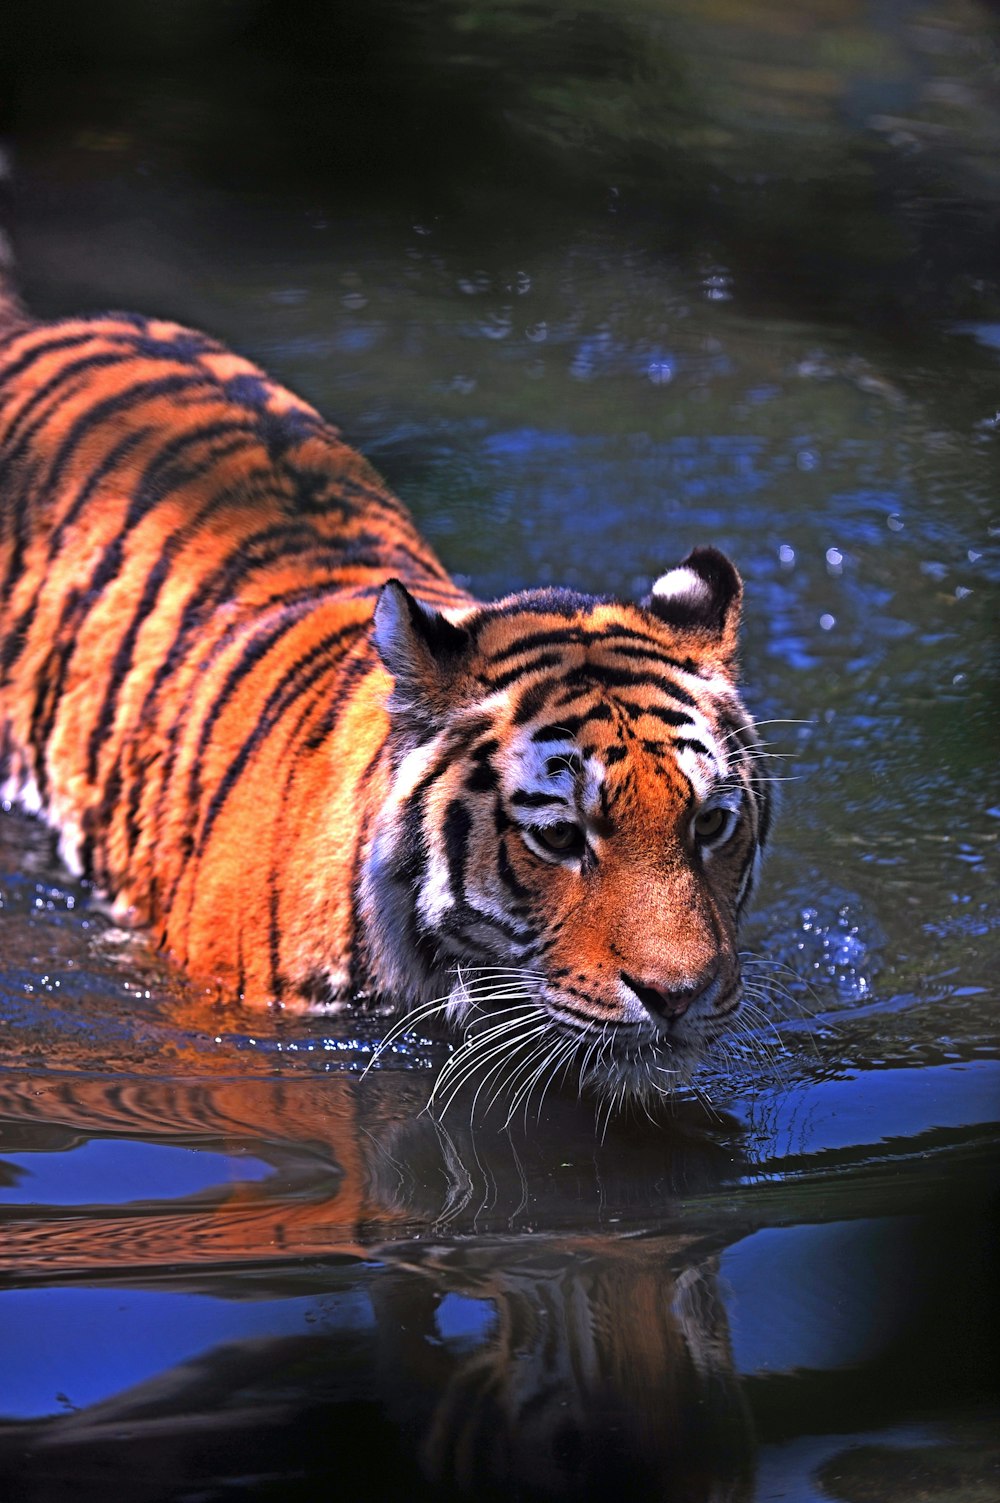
x,y
703,594
422,650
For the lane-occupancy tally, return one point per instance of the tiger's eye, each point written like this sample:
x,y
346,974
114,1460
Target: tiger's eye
x,y
709,824
562,838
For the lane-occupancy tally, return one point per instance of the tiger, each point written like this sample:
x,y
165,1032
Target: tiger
x,y
267,725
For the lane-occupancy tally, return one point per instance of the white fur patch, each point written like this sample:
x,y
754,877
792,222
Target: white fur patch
x,y
22,791
526,769
594,773
435,896
683,585
70,843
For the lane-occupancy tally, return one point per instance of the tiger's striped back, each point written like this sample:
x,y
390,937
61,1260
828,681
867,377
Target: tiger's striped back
x,y
179,535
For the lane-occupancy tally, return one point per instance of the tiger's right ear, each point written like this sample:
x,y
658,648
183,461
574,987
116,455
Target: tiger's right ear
x,y
702,596
421,648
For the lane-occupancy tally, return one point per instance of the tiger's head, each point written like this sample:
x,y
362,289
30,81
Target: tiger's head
x,y
575,822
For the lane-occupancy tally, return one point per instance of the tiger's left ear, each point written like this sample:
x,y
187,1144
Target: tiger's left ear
x,y
702,595
421,648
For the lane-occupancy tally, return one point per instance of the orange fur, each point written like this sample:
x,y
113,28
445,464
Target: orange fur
x,y
311,782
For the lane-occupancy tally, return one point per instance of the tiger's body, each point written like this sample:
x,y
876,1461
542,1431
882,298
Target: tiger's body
x,y
263,719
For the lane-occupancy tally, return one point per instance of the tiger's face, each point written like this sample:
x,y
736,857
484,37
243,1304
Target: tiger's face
x,y
574,827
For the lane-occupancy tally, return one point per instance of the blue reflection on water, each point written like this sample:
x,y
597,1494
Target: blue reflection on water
x,y
870,1108
106,1172
78,1346
817,1297
464,1322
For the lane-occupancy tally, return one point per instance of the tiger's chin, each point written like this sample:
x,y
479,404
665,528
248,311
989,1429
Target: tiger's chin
x,y
515,1047
645,1073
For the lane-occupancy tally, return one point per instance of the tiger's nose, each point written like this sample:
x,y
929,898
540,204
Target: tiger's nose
x,y
666,1004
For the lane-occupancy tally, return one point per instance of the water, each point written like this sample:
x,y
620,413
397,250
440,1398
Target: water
x,y
590,287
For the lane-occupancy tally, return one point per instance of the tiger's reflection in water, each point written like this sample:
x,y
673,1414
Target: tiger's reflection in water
x,y
607,1370
490,1362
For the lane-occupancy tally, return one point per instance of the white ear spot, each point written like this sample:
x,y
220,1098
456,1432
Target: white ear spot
x,y
684,586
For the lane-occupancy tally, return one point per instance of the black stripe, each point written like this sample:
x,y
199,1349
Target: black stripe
x,y
569,725
122,661
484,776
765,810
561,637
455,829
17,640
221,583
42,347
154,583
255,647
115,407
536,800
353,673
409,857
658,712
655,655
24,424
456,920
606,635
22,434
147,712
358,977
600,1011
204,432
274,939
503,680
506,873
48,690
569,762
534,700
551,602
626,678
294,682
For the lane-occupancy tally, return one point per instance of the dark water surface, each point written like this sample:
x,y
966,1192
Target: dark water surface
x,y
590,284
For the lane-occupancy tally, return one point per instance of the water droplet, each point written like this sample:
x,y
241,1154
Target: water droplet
x,y
498,325
827,622
894,523
717,286
786,555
